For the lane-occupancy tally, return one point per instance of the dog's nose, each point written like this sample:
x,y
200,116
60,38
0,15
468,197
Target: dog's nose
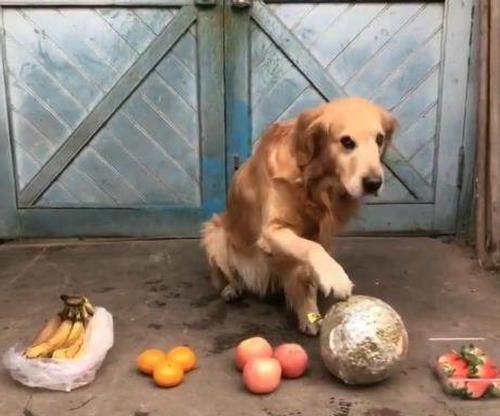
x,y
371,184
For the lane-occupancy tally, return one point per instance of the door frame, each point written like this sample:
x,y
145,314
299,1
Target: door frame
x,y
438,217
17,222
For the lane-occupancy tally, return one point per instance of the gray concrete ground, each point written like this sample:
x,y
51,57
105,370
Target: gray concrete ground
x,y
160,297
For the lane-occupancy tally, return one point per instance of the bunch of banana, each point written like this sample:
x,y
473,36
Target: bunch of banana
x,y
63,335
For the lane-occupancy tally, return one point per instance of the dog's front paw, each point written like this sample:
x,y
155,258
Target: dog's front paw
x,y
230,293
309,327
331,276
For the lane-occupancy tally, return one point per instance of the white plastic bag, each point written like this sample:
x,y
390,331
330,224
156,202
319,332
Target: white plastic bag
x,y
65,375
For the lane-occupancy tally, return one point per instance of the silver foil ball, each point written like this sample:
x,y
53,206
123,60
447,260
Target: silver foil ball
x,y
363,340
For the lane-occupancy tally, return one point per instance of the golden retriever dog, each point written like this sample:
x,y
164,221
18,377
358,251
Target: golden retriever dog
x,y
301,185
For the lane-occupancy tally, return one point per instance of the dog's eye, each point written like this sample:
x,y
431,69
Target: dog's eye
x,y
348,142
380,139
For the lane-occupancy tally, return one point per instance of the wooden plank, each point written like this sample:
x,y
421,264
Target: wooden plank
x,y
137,172
237,79
494,131
51,3
482,137
107,106
300,56
68,110
371,40
182,222
105,222
465,219
21,35
8,212
452,111
184,82
388,58
153,157
410,140
344,30
407,174
211,93
393,218
280,97
176,148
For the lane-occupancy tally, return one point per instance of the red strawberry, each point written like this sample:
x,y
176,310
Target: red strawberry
x,y
486,370
451,364
467,389
474,355
476,389
448,357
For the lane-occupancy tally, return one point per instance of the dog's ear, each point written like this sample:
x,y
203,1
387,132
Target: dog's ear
x,y
389,124
308,135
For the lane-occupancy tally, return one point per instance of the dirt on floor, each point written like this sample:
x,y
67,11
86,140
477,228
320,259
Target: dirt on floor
x,y
160,297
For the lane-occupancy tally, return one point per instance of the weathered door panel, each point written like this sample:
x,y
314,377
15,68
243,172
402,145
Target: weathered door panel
x,y
110,114
303,54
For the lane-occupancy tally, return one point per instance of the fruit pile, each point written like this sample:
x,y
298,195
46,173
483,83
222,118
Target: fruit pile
x,y
469,374
63,335
167,369
263,368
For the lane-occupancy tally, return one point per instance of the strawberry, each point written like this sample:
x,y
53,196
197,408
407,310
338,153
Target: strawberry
x,y
486,370
476,389
457,368
473,355
480,365
451,364
467,389
448,357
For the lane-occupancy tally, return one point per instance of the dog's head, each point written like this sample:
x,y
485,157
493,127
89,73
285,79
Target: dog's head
x,y
345,138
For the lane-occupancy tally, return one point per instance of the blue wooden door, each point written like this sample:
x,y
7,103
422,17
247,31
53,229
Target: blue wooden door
x,y
111,118
411,57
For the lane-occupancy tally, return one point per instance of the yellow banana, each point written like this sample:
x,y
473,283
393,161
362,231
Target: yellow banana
x,y
48,330
83,346
54,342
70,351
76,330
73,335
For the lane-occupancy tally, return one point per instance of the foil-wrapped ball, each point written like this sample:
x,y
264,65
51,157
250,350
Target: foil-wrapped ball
x,y
363,340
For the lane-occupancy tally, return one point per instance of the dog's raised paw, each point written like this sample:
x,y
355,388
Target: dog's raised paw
x,y
308,327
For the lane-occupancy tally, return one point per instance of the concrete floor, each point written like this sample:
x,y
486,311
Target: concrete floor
x,y
159,297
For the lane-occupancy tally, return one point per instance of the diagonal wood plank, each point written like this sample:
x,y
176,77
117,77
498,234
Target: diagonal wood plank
x,y
295,51
108,105
408,175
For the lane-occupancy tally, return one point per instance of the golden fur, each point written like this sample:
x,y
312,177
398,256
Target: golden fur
x,y
290,198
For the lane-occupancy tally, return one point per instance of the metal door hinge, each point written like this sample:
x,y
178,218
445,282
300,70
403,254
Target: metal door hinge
x,y
460,170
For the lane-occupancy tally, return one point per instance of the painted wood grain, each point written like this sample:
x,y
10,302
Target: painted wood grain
x,y
237,80
106,107
454,86
211,87
8,210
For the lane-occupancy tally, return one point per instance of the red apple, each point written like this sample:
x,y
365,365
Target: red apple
x,y
256,347
262,375
292,358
